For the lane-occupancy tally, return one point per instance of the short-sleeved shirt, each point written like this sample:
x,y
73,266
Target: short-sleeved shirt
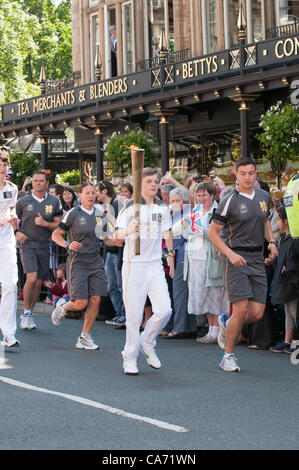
x,y
28,208
8,200
243,219
80,225
154,221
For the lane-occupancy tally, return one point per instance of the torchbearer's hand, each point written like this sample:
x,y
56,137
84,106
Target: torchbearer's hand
x,y
133,227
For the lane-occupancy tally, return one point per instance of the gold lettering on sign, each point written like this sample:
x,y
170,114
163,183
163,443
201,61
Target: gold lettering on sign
x,y
23,108
206,65
287,48
109,88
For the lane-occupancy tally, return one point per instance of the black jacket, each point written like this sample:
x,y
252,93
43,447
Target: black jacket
x,y
285,282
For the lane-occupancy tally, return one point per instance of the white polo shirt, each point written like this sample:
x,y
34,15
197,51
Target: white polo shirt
x,y
154,221
8,200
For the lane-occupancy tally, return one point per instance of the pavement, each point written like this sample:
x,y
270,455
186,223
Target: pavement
x,y
55,397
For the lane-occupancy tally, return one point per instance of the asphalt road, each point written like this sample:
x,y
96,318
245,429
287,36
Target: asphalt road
x,y
56,397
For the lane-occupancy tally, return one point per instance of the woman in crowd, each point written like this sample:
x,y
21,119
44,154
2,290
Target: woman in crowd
x,y
205,271
184,325
69,199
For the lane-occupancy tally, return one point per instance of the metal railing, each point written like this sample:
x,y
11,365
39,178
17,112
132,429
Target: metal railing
x,y
176,56
284,30
59,85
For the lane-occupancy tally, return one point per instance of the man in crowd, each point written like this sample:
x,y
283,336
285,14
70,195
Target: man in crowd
x,y
39,213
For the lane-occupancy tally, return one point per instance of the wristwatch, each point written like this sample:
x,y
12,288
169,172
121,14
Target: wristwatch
x,y
171,253
16,230
66,245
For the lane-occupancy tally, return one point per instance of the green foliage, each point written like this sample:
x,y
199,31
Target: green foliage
x,y
32,33
118,155
23,165
70,177
280,136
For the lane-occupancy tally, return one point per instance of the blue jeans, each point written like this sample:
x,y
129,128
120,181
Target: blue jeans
x,y
114,283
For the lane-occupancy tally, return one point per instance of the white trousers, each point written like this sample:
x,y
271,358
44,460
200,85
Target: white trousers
x,y
8,280
140,280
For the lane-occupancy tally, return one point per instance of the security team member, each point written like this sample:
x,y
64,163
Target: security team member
x,y
8,257
143,274
40,213
85,267
244,217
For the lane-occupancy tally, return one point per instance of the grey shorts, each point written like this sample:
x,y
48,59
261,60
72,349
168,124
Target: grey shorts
x,y
247,282
36,259
85,276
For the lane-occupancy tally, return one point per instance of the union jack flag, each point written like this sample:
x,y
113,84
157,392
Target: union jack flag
x,y
196,214
9,172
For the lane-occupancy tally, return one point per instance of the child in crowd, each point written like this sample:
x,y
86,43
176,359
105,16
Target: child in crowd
x,y
284,284
59,288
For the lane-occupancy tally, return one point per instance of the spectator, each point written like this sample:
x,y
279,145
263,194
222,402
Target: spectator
x,y
284,289
183,324
165,192
69,199
207,294
59,288
106,196
56,190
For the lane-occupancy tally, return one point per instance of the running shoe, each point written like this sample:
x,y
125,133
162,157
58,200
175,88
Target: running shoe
x,y
229,363
222,321
10,341
130,366
207,339
280,347
150,356
86,342
116,321
289,350
27,322
58,313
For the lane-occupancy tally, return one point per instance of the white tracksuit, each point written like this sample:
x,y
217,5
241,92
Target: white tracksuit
x,y
143,275
8,262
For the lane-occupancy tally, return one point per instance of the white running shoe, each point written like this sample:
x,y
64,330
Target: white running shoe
x,y
151,357
10,341
130,366
207,339
27,322
229,363
58,313
86,342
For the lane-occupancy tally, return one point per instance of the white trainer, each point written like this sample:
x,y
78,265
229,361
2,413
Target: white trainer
x,y
151,357
130,366
27,322
58,313
207,339
229,363
86,342
222,322
10,341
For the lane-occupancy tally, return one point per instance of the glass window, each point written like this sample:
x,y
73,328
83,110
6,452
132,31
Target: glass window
x,y
288,11
93,3
257,20
158,15
94,41
127,32
233,12
211,26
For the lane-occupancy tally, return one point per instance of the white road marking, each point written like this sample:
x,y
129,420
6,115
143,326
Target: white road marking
x,y
95,404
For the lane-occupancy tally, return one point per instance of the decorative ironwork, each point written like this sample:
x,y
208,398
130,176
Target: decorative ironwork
x,y
176,56
251,55
284,30
59,85
236,59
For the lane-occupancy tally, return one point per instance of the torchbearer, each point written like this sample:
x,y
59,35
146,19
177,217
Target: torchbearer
x,y
142,271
